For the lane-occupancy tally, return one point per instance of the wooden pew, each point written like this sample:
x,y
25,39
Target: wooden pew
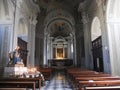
x,y
37,80
14,84
12,88
80,71
96,78
47,72
103,88
77,79
83,84
76,76
82,76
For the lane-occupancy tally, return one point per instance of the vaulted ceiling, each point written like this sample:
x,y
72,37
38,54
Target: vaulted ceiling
x,y
59,28
56,4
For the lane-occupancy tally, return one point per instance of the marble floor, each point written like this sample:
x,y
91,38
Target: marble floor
x,y
59,81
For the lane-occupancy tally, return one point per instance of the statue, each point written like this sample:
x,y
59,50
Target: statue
x,y
14,57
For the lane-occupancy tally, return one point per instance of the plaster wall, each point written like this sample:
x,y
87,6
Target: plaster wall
x,y
95,9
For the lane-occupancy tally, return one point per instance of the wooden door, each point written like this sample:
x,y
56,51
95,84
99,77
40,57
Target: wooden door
x,y
23,50
97,54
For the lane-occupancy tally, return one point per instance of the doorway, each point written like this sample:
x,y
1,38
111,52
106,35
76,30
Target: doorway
x,y
96,39
97,54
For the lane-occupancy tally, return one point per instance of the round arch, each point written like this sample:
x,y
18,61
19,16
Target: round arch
x,y
95,30
58,16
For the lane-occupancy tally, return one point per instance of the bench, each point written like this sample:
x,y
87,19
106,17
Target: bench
x,y
77,79
37,80
46,72
83,84
76,76
103,88
12,88
14,84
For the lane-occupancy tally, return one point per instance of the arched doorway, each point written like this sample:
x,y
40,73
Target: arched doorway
x,y
113,29
96,38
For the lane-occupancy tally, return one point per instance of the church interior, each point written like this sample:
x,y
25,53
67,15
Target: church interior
x,y
59,44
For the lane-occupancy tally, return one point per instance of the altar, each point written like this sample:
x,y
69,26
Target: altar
x,y
60,62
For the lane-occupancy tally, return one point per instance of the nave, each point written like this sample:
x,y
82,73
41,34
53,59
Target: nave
x,y
63,79
58,81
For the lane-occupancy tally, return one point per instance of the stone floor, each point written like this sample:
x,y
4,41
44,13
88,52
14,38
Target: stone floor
x,y
59,81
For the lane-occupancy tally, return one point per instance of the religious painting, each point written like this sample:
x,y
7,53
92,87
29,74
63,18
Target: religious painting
x,y
59,53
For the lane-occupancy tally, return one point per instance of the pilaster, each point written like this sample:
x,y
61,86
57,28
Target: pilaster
x,y
87,40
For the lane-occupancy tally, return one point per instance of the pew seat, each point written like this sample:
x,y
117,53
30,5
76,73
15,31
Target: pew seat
x,y
103,83
16,84
103,88
23,81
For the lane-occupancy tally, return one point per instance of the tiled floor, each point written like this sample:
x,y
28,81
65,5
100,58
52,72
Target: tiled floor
x,y
58,82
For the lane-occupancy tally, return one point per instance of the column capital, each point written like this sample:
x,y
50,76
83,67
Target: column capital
x,y
85,18
82,7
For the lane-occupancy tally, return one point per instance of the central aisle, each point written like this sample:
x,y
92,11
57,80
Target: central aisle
x,y
59,81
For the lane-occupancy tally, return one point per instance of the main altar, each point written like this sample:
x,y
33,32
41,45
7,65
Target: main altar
x,y
60,62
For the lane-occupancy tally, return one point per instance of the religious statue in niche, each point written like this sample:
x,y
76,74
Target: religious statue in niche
x,y
14,58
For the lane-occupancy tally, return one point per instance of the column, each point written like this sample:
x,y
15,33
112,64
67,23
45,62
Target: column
x,y
31,42
45,48
87,40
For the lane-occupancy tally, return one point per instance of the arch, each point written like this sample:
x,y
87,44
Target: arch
x,y
22,30
113,26
95,30
113,9
6,11
58,16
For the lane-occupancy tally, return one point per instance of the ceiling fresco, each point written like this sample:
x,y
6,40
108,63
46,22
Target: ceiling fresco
x,y
64,14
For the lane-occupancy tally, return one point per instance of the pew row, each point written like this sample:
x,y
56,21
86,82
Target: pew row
x,y
86,79
12,88
23,81
102,88
77,79
83,85
47,72
14,84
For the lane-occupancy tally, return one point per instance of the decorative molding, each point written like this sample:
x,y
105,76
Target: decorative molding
x,y
59,14
82,6
36,6
85,18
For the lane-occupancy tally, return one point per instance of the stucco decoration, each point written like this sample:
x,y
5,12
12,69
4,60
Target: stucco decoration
x,y
59,14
